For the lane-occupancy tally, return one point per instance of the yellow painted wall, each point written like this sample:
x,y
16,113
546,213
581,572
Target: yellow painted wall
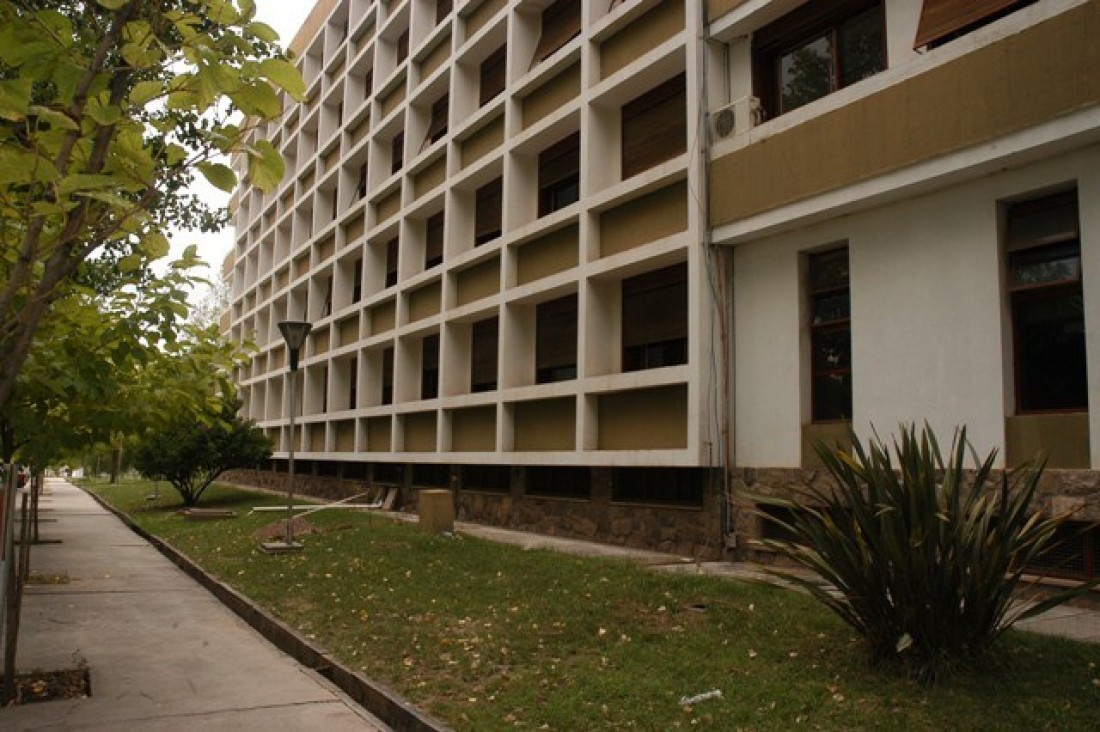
x,y
1037,75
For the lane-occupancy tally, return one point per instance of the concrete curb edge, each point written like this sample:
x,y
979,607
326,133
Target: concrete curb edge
x,y
376,698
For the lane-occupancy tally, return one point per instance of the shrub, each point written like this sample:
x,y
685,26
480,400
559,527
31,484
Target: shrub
x,y
923,559
191,452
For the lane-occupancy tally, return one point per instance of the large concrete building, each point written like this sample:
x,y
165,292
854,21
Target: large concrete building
x,y
600,266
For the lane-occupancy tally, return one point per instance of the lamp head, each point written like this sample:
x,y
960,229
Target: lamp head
x,y
294,333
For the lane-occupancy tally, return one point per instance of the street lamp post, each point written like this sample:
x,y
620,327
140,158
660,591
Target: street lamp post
x,y
294,333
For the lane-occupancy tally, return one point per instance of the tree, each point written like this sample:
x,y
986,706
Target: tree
x,y
191,453
107,107
103,367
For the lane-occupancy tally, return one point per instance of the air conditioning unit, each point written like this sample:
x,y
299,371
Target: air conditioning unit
x,y
735,117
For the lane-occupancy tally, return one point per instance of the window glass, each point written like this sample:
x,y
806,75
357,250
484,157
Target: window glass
x,y
559,174
830,336
654,126
1048,317
556,340
806,73
816,49
861,45
429,367
387,377
1050,352
433,241
654,319
484,338
488,211
1046,266
492,76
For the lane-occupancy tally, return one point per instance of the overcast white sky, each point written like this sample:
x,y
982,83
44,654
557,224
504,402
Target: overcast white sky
x,y
286,17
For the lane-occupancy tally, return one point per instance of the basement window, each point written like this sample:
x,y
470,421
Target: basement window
x,y
559,481
672,486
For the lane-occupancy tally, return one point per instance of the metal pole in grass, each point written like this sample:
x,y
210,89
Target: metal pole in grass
x,y
294,333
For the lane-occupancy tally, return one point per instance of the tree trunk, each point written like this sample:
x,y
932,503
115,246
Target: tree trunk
x,y
116,463
17,579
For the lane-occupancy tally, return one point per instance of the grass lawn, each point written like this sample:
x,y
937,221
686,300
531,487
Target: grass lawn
x,y
488,636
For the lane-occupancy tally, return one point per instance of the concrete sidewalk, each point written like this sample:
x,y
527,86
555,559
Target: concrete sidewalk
x,y
162,652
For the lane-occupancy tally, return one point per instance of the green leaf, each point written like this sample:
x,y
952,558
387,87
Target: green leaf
x,y
84,182
156,245
284,75
54,117
145,91
221,12
220,176
257,99
265,166
104,115
261,31
60,27
15,98
112,4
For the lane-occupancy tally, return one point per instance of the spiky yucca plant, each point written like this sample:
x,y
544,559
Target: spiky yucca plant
x,y
923,558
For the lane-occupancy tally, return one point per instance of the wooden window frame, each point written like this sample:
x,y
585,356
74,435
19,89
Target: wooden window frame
x,y
942,21
429,366
484,352
385,383
437,122
353,383
397,152
443,8
817,329
654,126
433,240
393,251
401,46
1030,248
556,339
492,76
361,186
796,29
560,23
559,174
655,319
488,211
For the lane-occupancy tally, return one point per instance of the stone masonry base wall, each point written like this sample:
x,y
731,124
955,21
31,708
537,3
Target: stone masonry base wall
x,y
688,531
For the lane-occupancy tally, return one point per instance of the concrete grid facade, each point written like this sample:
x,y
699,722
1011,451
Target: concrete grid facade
x,y
564,251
